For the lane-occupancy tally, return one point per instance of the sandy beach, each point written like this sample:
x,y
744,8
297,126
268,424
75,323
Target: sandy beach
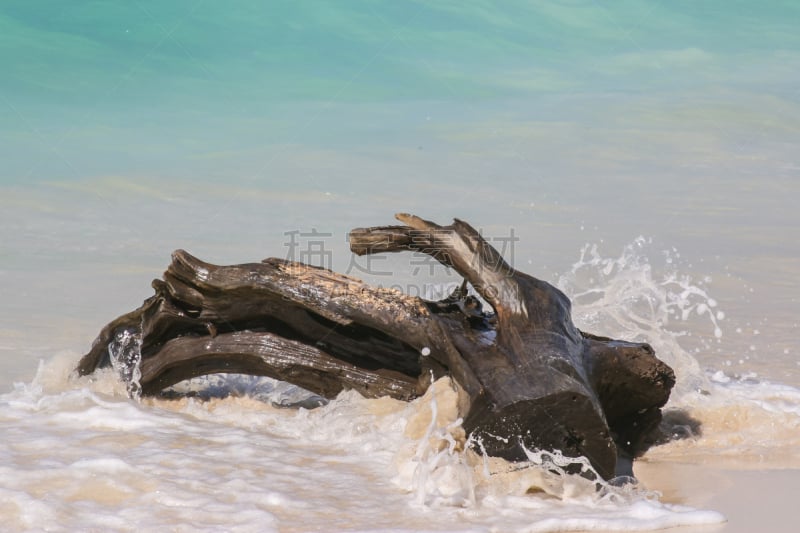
x,y
751,499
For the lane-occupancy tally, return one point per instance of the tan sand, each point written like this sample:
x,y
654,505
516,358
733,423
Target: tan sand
x,y
766,500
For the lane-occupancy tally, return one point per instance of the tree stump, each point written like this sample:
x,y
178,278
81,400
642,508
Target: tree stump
x,y
529,378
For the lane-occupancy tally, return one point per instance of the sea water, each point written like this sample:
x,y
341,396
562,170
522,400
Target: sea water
x,y
641,156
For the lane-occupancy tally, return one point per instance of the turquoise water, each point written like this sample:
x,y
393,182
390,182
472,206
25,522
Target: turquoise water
x,y
113,87
644,154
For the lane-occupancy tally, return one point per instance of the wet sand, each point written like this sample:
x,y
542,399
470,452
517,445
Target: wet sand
x,y
751,500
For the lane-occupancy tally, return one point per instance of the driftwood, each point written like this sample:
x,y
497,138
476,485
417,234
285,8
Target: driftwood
x,y
529,377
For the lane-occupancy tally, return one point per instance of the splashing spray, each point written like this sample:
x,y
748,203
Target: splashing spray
x,y
623,297
125,352
442,475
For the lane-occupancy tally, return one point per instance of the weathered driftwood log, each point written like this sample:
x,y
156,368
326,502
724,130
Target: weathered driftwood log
x,y
529,377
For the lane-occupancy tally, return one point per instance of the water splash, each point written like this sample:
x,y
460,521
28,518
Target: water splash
x,y
443,475
125,352
645,294
555,478
623,297
447,470
651,302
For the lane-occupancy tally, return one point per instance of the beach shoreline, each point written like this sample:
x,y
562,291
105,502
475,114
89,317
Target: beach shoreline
x,y
750,498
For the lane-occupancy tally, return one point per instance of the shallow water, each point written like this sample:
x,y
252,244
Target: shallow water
x,y
642,154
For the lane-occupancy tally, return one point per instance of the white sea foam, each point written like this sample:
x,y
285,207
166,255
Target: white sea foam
x,y
77,458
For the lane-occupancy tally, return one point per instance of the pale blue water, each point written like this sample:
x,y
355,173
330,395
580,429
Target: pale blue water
x,y
199,89
132,128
